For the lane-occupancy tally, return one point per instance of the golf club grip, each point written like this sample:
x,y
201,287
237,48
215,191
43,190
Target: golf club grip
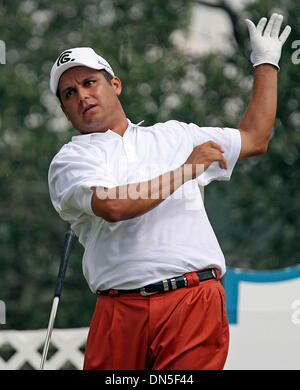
x,y
69,236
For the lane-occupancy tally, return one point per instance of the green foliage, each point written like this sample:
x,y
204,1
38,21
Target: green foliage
x,y
255,216
134,36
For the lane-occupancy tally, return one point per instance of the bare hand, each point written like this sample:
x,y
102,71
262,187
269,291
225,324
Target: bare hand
x,y
204,155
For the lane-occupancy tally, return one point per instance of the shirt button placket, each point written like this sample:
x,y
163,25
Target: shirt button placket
x,y
130,153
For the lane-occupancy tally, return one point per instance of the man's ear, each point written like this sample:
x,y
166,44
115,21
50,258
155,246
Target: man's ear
x,y
64,111
117,85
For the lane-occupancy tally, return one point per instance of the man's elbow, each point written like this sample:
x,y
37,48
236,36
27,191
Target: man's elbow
x,y
113,216
258,148
105,208
108,213
262,148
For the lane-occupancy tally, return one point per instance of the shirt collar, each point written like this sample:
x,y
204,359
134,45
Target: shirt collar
x,y
108,134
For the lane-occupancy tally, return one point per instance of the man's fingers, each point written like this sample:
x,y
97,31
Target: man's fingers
x,y
269,27
276,26
251,27
261,25
219,155
272,29
285,33
206,154
265,42
216,146
223,163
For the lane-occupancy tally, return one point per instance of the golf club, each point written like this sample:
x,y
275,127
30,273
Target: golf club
x,y
69,238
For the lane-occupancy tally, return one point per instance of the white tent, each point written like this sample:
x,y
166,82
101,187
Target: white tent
x,y
264,315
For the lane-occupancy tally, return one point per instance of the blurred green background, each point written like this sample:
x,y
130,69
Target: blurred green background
x,y
255,215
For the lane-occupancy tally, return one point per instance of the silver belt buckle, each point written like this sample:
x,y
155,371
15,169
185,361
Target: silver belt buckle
x,y
145,293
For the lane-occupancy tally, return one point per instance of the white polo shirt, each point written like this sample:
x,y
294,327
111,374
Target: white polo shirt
x,y
173,238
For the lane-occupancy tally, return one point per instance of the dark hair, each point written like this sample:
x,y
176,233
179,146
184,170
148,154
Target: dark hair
x,y
105,73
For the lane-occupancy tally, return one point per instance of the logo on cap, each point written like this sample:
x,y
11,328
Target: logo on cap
x,y
64,57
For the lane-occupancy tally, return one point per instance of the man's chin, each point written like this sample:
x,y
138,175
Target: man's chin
x,y
90,128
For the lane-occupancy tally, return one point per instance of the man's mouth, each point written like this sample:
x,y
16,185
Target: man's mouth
x,y
87,108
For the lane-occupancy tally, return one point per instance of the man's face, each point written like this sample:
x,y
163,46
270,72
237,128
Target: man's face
x,y
90,102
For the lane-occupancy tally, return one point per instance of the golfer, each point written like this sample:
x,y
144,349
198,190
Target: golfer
x,y
131,194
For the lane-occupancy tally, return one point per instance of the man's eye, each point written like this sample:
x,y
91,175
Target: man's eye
x,y
89,82
69,93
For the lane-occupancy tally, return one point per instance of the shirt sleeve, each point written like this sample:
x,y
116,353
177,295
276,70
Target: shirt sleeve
x,y
72,173
229,139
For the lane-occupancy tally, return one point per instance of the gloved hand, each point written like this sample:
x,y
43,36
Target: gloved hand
x,y
266,45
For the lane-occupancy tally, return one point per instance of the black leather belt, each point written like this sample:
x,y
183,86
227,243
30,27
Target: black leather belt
x,y
166,285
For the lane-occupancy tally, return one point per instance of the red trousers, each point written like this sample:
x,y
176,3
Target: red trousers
x,y
184,329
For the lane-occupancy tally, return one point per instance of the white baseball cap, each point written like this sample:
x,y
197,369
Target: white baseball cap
x,y
78,56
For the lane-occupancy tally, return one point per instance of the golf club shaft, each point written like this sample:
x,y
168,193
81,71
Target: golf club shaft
x,y
69,236
64,261
49,331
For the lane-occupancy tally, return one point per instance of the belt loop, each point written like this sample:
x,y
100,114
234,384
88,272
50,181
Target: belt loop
x,y
113,293
173,284
166,285
192,279
218,273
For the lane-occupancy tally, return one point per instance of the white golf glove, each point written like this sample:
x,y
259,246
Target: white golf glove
x,y
266,45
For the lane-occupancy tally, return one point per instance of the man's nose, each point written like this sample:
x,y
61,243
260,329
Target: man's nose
x,y
82,95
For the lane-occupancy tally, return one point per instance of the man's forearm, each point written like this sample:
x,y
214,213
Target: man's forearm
x,y
261,112
257,123
132,200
